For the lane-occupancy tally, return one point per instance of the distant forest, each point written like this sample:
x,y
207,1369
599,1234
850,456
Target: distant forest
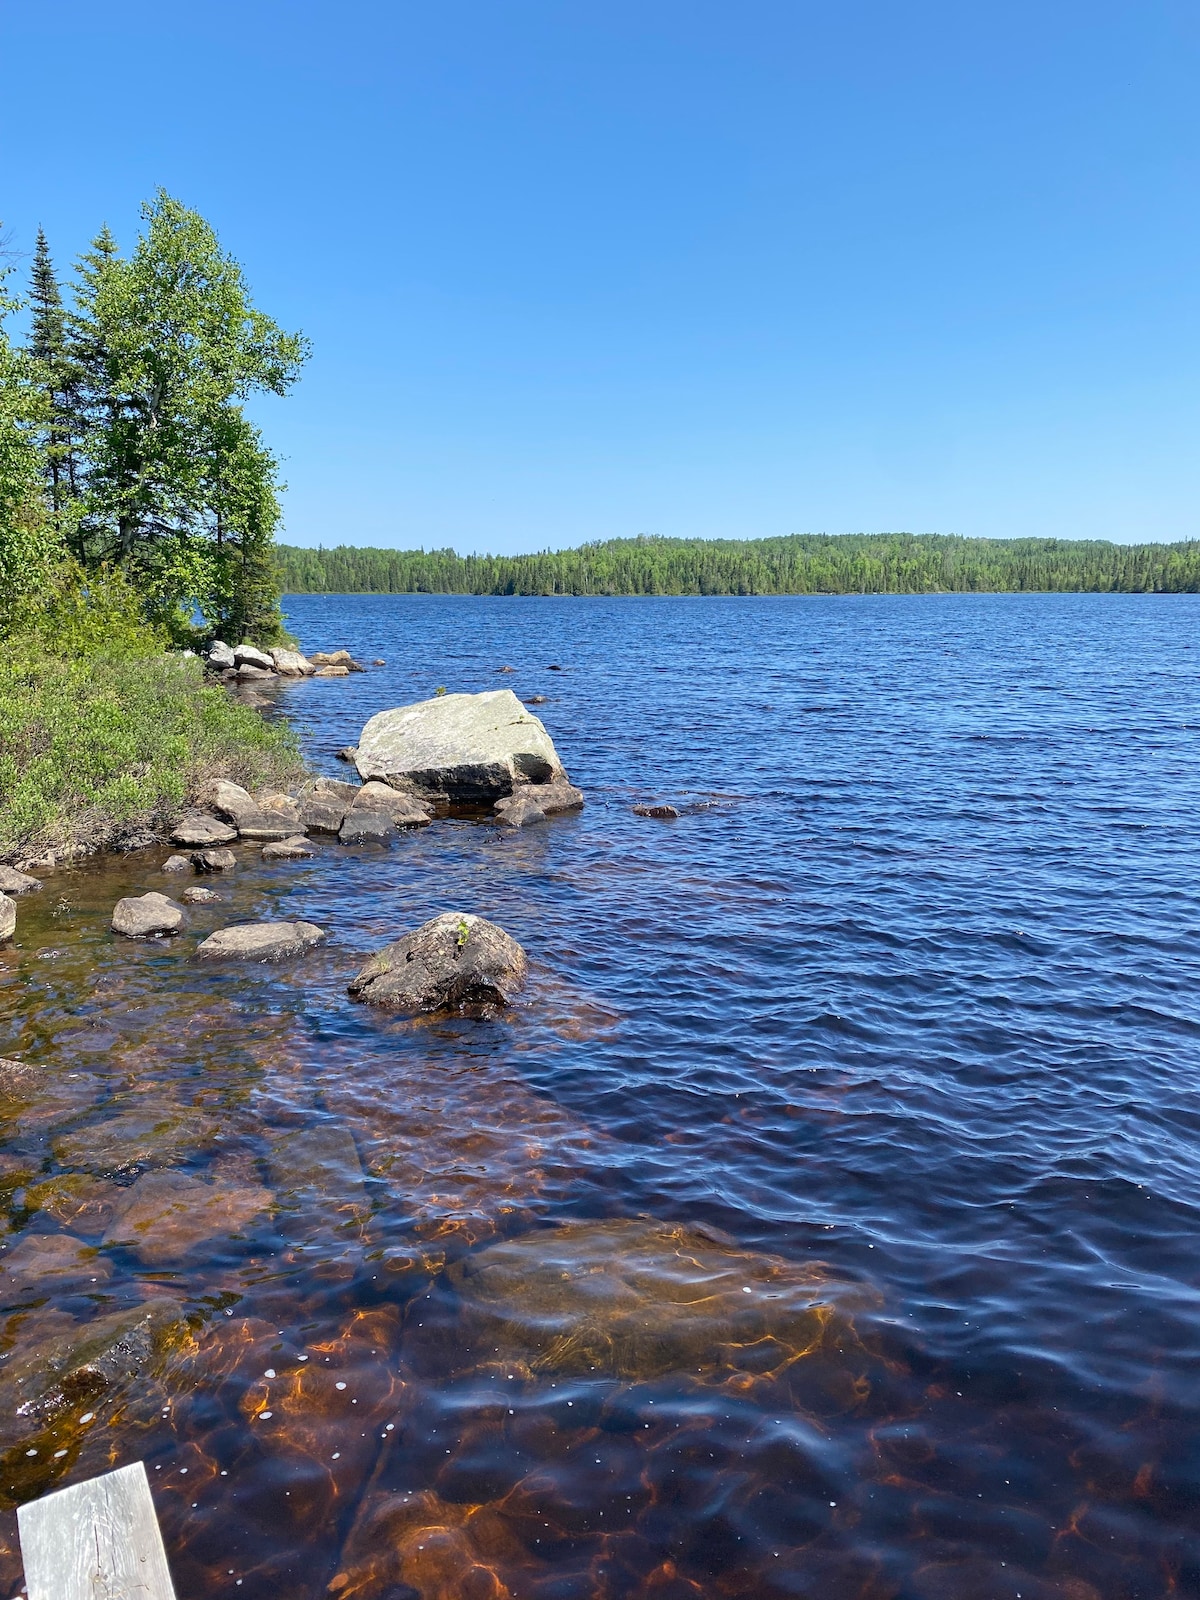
x,y
796,564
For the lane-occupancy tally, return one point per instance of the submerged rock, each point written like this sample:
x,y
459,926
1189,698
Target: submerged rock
x,y
200,828
167,1214
198,896
214,860
14,883
636,1299
461,747
8,918
154,1134
146,916
259,941
455,959
55,1258
297,848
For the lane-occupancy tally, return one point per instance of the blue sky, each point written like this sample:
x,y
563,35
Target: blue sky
x,y
575,271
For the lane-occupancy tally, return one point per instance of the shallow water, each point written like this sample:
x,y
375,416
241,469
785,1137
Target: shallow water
x,y
825,1218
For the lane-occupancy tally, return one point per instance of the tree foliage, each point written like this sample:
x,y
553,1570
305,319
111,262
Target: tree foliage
x,y
797,564
125,442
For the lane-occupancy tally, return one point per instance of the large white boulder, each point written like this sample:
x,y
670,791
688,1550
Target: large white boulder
x,y
462,747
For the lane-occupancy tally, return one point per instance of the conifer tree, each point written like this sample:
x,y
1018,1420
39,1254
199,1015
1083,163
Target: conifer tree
x,y
59,378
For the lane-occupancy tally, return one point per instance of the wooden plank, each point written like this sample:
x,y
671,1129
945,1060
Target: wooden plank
x,y
97,1540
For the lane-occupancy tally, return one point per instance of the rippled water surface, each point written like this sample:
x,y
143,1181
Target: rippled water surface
x,y
823,1222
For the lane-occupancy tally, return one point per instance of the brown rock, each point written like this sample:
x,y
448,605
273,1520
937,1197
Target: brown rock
x,y
348,752
8,918
332,672
660,813
198,896
455,959
259,941
56,1258
228,799
14,883
214,860
199,828
167,1214
155,1134
296,848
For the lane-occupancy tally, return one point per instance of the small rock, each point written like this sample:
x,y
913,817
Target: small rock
x,y
139,839
367,827
248,671
379,662
296,848
199,828
198,896
260,941
291,664
214,860
537,700
177,864
220,657
245,655
455,959
662,813
506,669
553,667
336,658
146,916
8,918
14,883
520,812
332,672
347,753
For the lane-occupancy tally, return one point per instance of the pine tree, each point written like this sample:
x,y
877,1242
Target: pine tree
x,y
60,383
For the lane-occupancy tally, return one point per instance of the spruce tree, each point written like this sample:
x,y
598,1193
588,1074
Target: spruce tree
x,y
59,379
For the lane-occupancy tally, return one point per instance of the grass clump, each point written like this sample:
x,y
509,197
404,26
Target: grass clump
x,y
104,732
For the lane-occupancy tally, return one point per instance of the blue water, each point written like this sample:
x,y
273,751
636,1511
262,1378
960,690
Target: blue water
x,y
908,998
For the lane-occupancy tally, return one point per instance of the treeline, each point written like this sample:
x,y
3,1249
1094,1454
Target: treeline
x,y
125,451
796,564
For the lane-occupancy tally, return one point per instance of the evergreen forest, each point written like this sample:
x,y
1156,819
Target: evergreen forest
x,y
897,563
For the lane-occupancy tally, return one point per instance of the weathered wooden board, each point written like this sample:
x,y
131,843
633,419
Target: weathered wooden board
x,y
97,1540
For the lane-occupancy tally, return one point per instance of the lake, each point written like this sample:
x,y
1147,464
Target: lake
x,y
824,1220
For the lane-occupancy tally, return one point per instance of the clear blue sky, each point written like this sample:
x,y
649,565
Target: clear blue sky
x,y
576,270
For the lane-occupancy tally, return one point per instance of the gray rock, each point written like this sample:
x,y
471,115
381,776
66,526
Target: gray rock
x,y
245,655
220,657
14,883
214,860
248,671
228,800
659,813
139,839
279,804
405,810
291,664
8,918
198,828
260,941
267,825
348,752
296,848
321,815
455,959
367,827
178,864
465,747
198,896
520,812
145,916
332,672
534,802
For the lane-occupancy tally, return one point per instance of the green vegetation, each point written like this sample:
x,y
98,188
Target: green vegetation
x,y
138,508
890,563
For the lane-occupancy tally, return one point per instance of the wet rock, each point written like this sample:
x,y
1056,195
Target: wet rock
x,y
34,1097
199,828
534,802
537,700
464,747
75,1200
214,860
198,896
318,1166
54,1259
379,662
291,664
259,941
405,810
245,655
636,1299
8,918
348,752
178,864
296,848
156,1134
332,672
14,883
416,1543
324,805
553,667
660,813
367,827
92,1361
519,812
146,916
455,959
165,1215
220,657
506,669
